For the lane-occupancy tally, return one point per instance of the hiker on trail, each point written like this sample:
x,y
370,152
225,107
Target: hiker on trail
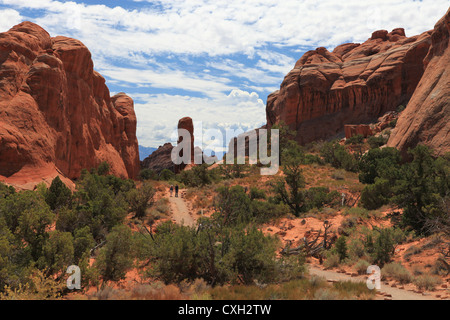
x,y
171,190
176,190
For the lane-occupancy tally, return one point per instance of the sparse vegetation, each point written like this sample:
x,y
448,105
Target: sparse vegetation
x,y
397,272
44,231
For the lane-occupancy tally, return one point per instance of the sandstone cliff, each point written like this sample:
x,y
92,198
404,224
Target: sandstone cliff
x,y
426,118
160,159
354,84
56,113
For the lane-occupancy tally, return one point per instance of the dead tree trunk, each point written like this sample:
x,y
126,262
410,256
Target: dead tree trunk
x,y
311,248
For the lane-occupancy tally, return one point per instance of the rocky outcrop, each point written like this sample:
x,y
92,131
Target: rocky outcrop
x,y
187,124
426,118
160,159
239,146
56,113
354,84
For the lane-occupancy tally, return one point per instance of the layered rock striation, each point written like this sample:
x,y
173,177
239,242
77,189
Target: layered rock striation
x,y
354,84
56,113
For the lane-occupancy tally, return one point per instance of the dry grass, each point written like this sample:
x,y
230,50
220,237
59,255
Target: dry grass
x,y
314,288
427,281
156,291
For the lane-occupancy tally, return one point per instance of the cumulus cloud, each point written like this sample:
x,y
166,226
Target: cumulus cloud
x,y
9,18
215,61
238,109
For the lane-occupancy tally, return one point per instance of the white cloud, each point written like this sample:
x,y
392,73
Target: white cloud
x,y
158,114
9,18
211,48
166,78
226,27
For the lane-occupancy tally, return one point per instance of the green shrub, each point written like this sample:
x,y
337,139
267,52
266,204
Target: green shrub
x,y
358,212
256,193
103,169
356,249
233,205
396,271
376,141
6,190
376,195
393,123
332,260
312,158
116,257
340,247
141,199
422,189
400,108
317,197
384,247
381,163
427,282
326,294
58,195
336,155
361,266
338,175
166,175
356,139
148,174
234,254
263,211
289,189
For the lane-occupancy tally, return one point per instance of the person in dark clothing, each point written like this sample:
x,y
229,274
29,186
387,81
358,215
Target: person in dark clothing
x,y
176,190
171,190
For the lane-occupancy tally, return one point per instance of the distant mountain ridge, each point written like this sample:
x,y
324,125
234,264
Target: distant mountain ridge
x,y
144,152
357,83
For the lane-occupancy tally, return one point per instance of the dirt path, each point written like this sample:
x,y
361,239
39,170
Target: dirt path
x,y
180,211
386,292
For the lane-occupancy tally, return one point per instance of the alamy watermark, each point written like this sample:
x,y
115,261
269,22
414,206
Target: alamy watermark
x,y
253,144
374,279
74,280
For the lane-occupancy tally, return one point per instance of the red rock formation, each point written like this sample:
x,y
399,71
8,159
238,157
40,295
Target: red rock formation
x,y
56,115
357,129
426,118
160,159
185,124
354,84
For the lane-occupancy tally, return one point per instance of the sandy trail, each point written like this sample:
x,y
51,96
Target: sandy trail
x,y
386,291
181,215
180,211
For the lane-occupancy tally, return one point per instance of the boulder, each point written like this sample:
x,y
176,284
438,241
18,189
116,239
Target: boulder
x,y
353,84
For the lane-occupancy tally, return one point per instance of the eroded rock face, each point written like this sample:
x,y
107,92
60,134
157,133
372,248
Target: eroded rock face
x,y
160,159
426,118
56,114
187,124
354,84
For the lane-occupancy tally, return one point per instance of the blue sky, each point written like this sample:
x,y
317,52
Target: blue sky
x,y
215,61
